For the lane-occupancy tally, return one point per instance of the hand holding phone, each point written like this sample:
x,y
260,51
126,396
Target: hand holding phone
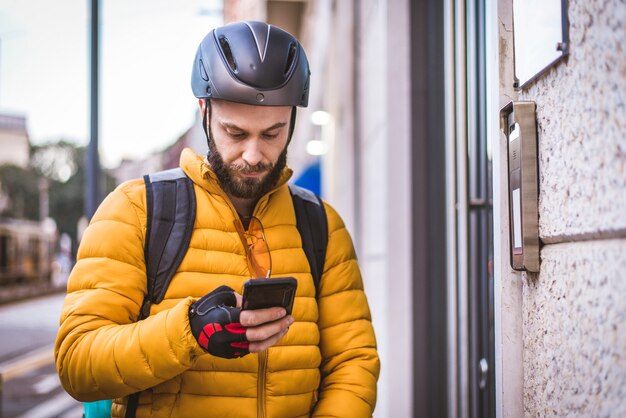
x,y
269,293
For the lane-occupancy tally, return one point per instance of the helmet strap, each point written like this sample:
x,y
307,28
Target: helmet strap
x,y
205,118
292,124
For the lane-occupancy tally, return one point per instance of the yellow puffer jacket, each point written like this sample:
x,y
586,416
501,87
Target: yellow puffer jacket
x,y
326,365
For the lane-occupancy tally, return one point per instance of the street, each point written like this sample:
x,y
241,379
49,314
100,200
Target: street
x,y
29,383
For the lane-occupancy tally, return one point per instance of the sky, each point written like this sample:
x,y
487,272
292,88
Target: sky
x,y
147,51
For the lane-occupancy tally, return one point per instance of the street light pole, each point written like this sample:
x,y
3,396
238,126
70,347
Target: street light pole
x,y
92,172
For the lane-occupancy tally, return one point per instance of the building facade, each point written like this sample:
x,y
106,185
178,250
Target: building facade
x,y
14,142
417,165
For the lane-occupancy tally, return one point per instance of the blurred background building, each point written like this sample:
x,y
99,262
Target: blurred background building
x,y
403,136
14,144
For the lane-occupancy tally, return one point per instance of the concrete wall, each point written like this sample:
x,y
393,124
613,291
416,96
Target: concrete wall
x,y
574,331
384,124
367,91
235,10
574,310
508,284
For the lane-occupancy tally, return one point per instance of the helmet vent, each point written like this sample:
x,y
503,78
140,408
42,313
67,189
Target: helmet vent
x,y
228,54
203,73
290,57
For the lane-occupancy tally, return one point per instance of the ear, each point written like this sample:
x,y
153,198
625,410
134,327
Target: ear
x,y
201,103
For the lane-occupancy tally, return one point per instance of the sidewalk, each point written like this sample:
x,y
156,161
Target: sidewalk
x,y
14,293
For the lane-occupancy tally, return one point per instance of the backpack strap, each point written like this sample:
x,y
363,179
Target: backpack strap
x,y
313,228
171,208
171,213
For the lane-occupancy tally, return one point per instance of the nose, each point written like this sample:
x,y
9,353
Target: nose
x,y
252,152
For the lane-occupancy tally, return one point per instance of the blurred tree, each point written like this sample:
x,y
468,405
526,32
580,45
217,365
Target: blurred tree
x,y
63,163
19,190
58,161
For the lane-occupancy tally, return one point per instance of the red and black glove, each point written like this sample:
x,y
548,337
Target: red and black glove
x,y
214,321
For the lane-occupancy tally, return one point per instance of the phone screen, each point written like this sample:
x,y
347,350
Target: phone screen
x,y
268,293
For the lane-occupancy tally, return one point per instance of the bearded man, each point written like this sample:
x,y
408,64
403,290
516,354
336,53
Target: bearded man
x,y
182,359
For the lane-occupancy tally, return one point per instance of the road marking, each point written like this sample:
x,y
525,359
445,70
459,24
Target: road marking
x,y
30,361
47,384
51,408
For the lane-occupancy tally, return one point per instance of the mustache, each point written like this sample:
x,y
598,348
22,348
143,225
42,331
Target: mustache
x,y
251,169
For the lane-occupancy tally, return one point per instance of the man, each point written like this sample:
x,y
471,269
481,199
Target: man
x,y
320,361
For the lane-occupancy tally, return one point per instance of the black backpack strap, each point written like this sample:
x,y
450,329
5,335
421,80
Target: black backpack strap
x,y
313,227
171,208
171,213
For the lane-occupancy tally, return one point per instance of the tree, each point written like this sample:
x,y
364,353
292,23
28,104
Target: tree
x,y
57,161
63,163
19,188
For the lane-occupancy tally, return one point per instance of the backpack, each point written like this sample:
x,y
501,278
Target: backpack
x,y
171,213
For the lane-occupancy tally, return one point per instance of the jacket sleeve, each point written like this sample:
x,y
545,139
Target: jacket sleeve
x,y
100,351
350,364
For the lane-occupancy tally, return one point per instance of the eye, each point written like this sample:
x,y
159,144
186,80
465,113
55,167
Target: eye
x,y
270,135
236,134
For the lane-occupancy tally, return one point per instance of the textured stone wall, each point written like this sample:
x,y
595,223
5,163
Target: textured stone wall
x,y
575,332
574,310
581,118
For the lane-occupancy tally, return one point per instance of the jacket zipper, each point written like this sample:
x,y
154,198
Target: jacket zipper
x,y
262,356
261,374
260,395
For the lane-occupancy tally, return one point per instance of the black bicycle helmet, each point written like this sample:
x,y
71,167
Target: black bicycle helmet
x,y
251,62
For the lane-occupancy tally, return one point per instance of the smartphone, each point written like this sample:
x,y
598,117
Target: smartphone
x,y
268,293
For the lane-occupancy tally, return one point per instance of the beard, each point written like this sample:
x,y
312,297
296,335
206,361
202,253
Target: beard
x,y
246,188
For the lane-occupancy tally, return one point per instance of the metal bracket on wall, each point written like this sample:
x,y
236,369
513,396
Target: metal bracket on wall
x,y
518,122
